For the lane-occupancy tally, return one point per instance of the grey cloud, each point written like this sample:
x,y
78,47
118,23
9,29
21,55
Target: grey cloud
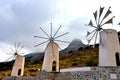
x,y
20,20
78,29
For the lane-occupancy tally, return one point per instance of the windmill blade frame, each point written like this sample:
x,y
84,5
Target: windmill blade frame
x,y
20,49
41,43
11,58
52,37
18,46
16,49
45,32
92,37
40,37
99,23
57,31
61,35
51,29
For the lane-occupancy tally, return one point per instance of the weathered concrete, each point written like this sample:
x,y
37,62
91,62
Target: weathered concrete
x,y
51,57
18,67
96,73
109,46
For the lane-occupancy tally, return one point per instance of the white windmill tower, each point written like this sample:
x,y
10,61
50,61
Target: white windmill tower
x,y
51,56
109,44
18,67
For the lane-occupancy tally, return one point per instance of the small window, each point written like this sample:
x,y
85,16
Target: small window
x,y
54,66
19,72
117,59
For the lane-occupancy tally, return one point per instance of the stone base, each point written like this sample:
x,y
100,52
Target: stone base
x,y
96,73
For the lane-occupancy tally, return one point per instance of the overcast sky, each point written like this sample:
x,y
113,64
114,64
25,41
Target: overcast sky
x,y
20,20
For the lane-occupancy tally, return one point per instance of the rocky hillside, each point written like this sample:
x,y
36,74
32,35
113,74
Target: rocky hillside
x,y
78,58
34,56
73,46
75,56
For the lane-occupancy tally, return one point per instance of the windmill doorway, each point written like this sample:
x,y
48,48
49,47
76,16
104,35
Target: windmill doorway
x,y
19,72
54,66
117,59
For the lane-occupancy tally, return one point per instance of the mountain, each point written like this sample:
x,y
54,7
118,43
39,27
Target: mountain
x,y
34,56
73,46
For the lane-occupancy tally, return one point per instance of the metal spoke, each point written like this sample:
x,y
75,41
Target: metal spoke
x,y
95,16
51,29
9,58
62,41
90,26
46,47
44,32
18,46
12,50
14,57
100,13
41,43
57,31
108,21
15,46
92,37
95,22
106,14
95,39
9,53
91,32
20,49
41,37
61,35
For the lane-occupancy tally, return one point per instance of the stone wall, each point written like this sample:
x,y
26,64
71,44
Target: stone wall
x,y
96,73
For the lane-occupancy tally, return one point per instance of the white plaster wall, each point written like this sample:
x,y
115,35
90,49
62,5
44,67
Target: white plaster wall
x,y
76,69
49,57
109,45
19,64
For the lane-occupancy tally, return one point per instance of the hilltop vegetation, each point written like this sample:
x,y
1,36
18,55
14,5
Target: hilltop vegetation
x,y
79,58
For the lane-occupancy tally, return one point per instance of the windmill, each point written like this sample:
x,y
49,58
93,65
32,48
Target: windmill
x,y
101,18
51,56
18,67
109,44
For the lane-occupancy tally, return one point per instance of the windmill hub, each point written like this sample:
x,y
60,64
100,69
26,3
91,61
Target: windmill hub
x,y
51,39
15,53
99,28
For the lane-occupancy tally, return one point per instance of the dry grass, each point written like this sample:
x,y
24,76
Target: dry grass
x,y
80,58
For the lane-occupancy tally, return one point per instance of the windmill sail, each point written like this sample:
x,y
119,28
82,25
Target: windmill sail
x,y
119,23
107,13
101,11
110,21
15,51
19,60
99,23
52,49
90,23
88,33
95,15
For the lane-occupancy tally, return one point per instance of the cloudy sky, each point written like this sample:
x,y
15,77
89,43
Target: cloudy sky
x,y
20,20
